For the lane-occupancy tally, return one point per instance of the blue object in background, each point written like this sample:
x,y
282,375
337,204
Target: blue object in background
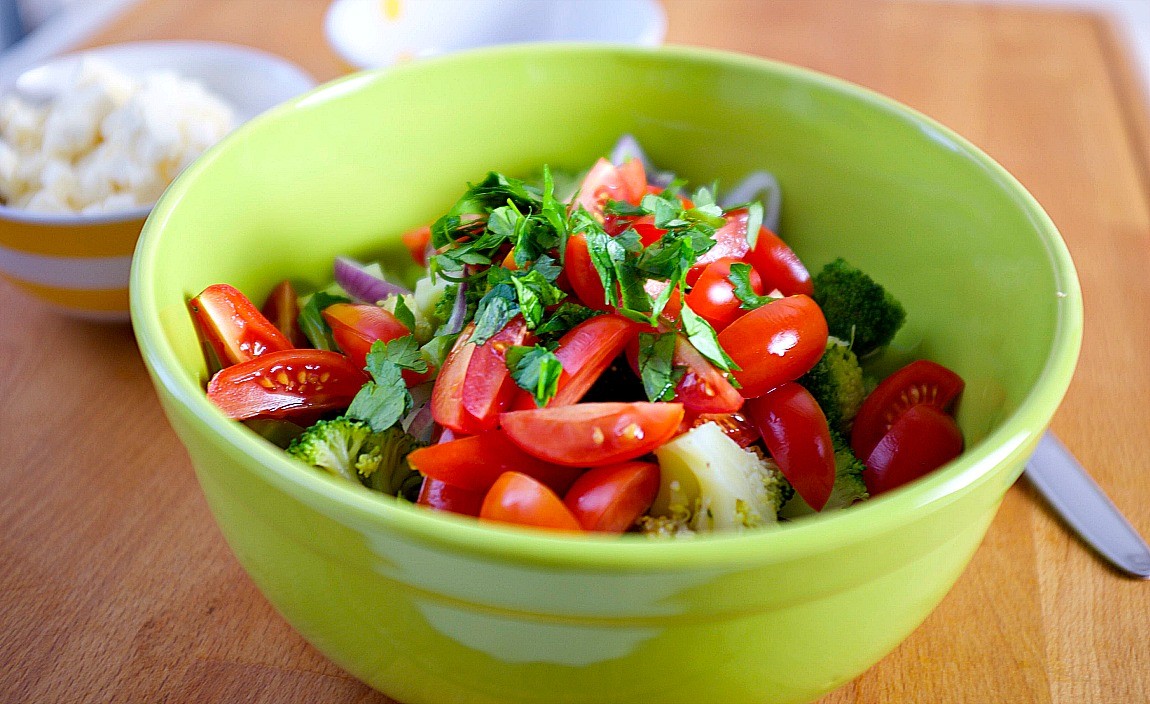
x,y
11,26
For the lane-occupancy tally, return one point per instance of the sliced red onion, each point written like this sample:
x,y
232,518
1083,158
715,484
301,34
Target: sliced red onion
x,y
628,148
458,311
420,423
363,284
761,186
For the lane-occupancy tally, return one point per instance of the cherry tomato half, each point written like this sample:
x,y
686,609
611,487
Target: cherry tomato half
x,y
282,309
488,388
703,388
779,266
774,343
236,330
605,181
592,434
517,498
447,395
920,382
730,243
286,384
581,273
713,294
609,499
476,461
736,426
417,242
356,326
796,434
921,440
446,497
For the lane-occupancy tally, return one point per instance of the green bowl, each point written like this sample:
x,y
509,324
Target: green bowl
x,y
431,608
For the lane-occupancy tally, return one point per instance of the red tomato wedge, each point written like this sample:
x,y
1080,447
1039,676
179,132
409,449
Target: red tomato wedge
x,y
585,352
920,382
606,181
286,384
447,395
921,440
779,266
736,426
713,295
592,434
487,386
775,343
282,309
581,273
233,326
417,242
610,499
517,498
703,388
796,434
356,326
476,461
730,243
445,497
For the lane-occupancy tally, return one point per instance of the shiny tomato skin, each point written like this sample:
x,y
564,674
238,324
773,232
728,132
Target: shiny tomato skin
x,y
518,499
775,343
779,266
236,330
447,395
730,243
446,497
488,387
920,382
592,434
610,499
713,295
286,384
921,440
417,242
796,433
356,326
581,274
703,388
474,462
627,183
282,308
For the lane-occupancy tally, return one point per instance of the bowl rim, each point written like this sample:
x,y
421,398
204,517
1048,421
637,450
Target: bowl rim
x,y
1013,439
264,59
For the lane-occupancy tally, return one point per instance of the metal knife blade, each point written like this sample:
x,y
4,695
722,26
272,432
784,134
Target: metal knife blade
x,y
1082,504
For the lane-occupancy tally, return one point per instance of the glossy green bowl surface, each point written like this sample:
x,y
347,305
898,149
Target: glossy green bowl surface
x,y
432,608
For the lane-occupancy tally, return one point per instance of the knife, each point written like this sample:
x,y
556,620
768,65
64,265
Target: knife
x,y
1085,508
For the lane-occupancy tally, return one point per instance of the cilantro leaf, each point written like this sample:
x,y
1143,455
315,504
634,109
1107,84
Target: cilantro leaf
x,y
403,352
565,317
497,306
381,403
536,370
700,334
534,293
311,321
660,378
404,314
740,278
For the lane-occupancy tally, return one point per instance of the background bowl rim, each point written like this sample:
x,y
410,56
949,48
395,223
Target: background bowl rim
x,y
1011,440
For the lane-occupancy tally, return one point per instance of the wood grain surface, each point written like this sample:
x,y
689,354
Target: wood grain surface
x,y
115,585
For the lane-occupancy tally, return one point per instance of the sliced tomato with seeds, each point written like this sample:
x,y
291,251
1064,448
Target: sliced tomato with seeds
x,y
446,497
610,499
703,388
286,384
920,382
774,343
518,499
592,434
730,243
736,426
487,387
920,441
474,463
236,330
795,431
627,183
282,308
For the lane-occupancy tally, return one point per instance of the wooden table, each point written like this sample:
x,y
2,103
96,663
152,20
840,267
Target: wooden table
x,y
116,586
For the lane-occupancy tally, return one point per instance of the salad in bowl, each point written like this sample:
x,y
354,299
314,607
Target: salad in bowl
x,y
610,352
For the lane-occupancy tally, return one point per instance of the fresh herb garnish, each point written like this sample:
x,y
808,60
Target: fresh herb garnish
x,y
384,400
403,314
565,317
659,376
740,278
702,336
536,370
311,321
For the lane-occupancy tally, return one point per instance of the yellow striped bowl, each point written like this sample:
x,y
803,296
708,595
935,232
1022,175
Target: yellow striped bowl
x,y
78,264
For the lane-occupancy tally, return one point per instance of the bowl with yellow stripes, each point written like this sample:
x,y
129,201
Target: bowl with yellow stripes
x,y
79,263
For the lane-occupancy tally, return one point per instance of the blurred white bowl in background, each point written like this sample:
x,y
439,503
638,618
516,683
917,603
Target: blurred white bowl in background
x,y
376,33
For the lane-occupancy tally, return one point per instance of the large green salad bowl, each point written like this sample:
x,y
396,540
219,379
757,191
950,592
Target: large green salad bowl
x,y
429,607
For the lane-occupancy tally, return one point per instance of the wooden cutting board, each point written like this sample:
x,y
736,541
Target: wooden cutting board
x,y
116,586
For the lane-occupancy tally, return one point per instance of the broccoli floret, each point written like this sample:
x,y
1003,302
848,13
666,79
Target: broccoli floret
x,y
848,488
836,382
349,448
708,483
856,307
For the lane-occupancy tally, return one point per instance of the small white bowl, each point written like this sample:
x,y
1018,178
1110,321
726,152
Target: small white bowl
x,y
79,263
378,33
